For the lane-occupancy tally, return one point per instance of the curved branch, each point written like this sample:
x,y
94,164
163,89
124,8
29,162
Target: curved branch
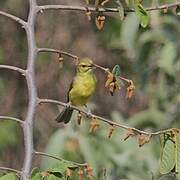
x,y
12,118
14,68
32,91
56,51
15,18
102,9
10,169
59,158
102,119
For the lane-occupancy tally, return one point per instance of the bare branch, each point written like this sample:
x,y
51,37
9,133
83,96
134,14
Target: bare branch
x,y
10,169
22,71
102,9
56,51
99,118
32,92
59,158
11,118
15,18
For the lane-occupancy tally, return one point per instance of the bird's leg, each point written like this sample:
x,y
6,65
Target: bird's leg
x,y
89,113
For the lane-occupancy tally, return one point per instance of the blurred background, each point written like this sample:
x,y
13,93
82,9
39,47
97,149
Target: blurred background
x,y
150,57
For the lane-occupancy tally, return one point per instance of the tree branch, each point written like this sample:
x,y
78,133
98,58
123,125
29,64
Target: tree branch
x,y
32,92
10,169
101,9
22,71
99,118
15,18
11,118
56,51
59,159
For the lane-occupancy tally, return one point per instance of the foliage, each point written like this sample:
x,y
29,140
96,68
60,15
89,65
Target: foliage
x,y
149,56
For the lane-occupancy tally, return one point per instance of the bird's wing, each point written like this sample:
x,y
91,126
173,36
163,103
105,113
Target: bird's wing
x,y
70,87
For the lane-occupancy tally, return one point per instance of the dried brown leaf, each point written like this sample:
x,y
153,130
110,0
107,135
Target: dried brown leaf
x,y
94,125
143,139
130,89
100,22
68,173
80,174
130,133
111,130
79,118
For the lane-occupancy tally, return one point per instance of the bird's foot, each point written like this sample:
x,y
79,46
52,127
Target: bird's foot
x,y
68,104
89,113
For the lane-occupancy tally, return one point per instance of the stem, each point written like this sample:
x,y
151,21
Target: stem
x,y
101,9
10,169
32,92
99,118
59,159
22,71
11,118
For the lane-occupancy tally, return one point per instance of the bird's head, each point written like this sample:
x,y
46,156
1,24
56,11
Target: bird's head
x,y
85,65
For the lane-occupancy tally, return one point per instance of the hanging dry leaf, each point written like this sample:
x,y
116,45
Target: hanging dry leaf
x,y
130,133
111,83
143,139
130,89
79,118
100,21
89,171
88,14
109,80
61,60
80,174
68,173
111,130
94,125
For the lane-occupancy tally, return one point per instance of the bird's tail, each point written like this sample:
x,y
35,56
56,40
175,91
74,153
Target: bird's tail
x,y
65,115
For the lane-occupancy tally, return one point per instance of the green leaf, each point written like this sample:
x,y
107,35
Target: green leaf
x,y
177,155
141,13
36,174
167,57
116,70
168,154
178,10
9,176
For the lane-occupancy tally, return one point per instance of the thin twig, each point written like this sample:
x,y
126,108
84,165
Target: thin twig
x,y
60,159
10,169
102,9
40,101
15,18
14,68
57,51
11,118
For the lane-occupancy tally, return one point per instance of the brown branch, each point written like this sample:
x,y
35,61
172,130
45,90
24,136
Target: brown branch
x,y
10,169
11,118
59,159
99,118
22,71
101,9
15,18
56,51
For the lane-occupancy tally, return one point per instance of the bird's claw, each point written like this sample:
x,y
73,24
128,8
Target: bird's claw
x,y
68,104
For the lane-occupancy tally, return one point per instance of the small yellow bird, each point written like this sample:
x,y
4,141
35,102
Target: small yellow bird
x,y
81,89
